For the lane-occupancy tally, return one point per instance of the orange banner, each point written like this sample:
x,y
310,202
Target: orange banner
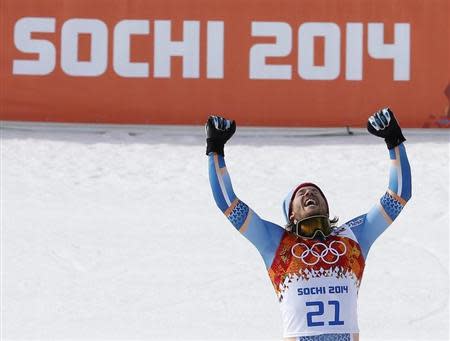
x,y
262,62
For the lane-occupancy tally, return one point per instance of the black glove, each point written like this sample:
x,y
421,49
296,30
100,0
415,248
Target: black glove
x,y
218,131
384,124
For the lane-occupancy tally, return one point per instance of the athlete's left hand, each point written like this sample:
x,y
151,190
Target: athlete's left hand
x,y
384,124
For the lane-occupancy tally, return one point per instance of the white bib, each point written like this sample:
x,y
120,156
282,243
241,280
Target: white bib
x,y
317,284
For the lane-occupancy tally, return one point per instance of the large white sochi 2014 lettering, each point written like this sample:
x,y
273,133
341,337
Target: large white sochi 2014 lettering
x,y
259,52
398,51
164,48
332,35
99,47
45,64
122,48
188,49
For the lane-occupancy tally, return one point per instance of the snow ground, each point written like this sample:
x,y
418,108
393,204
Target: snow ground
x,y
112,232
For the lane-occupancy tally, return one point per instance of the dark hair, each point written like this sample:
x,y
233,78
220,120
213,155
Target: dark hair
x,y
290,226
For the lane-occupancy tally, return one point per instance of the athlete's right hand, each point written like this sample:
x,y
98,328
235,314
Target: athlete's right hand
x,y
218,131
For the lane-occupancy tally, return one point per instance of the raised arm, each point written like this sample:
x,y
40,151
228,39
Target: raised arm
x,y
263,234
368,227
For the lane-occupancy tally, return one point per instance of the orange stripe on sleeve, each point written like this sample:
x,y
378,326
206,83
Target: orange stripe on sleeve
x,y
231,208
385,215
244,226
397,157
397,197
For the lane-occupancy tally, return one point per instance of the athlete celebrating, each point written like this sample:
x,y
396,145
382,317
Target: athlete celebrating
x,y
315,265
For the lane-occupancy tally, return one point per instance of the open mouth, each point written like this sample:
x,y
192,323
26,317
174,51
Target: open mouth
x,y
310,202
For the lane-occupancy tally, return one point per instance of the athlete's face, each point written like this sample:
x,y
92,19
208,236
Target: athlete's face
x,y
308,202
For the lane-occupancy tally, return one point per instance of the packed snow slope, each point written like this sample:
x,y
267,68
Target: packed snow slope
x,y
112,232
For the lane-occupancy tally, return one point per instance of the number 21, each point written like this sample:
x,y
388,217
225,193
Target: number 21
x,y
320,311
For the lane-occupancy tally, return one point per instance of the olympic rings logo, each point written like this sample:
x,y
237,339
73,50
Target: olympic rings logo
x,y
319,251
